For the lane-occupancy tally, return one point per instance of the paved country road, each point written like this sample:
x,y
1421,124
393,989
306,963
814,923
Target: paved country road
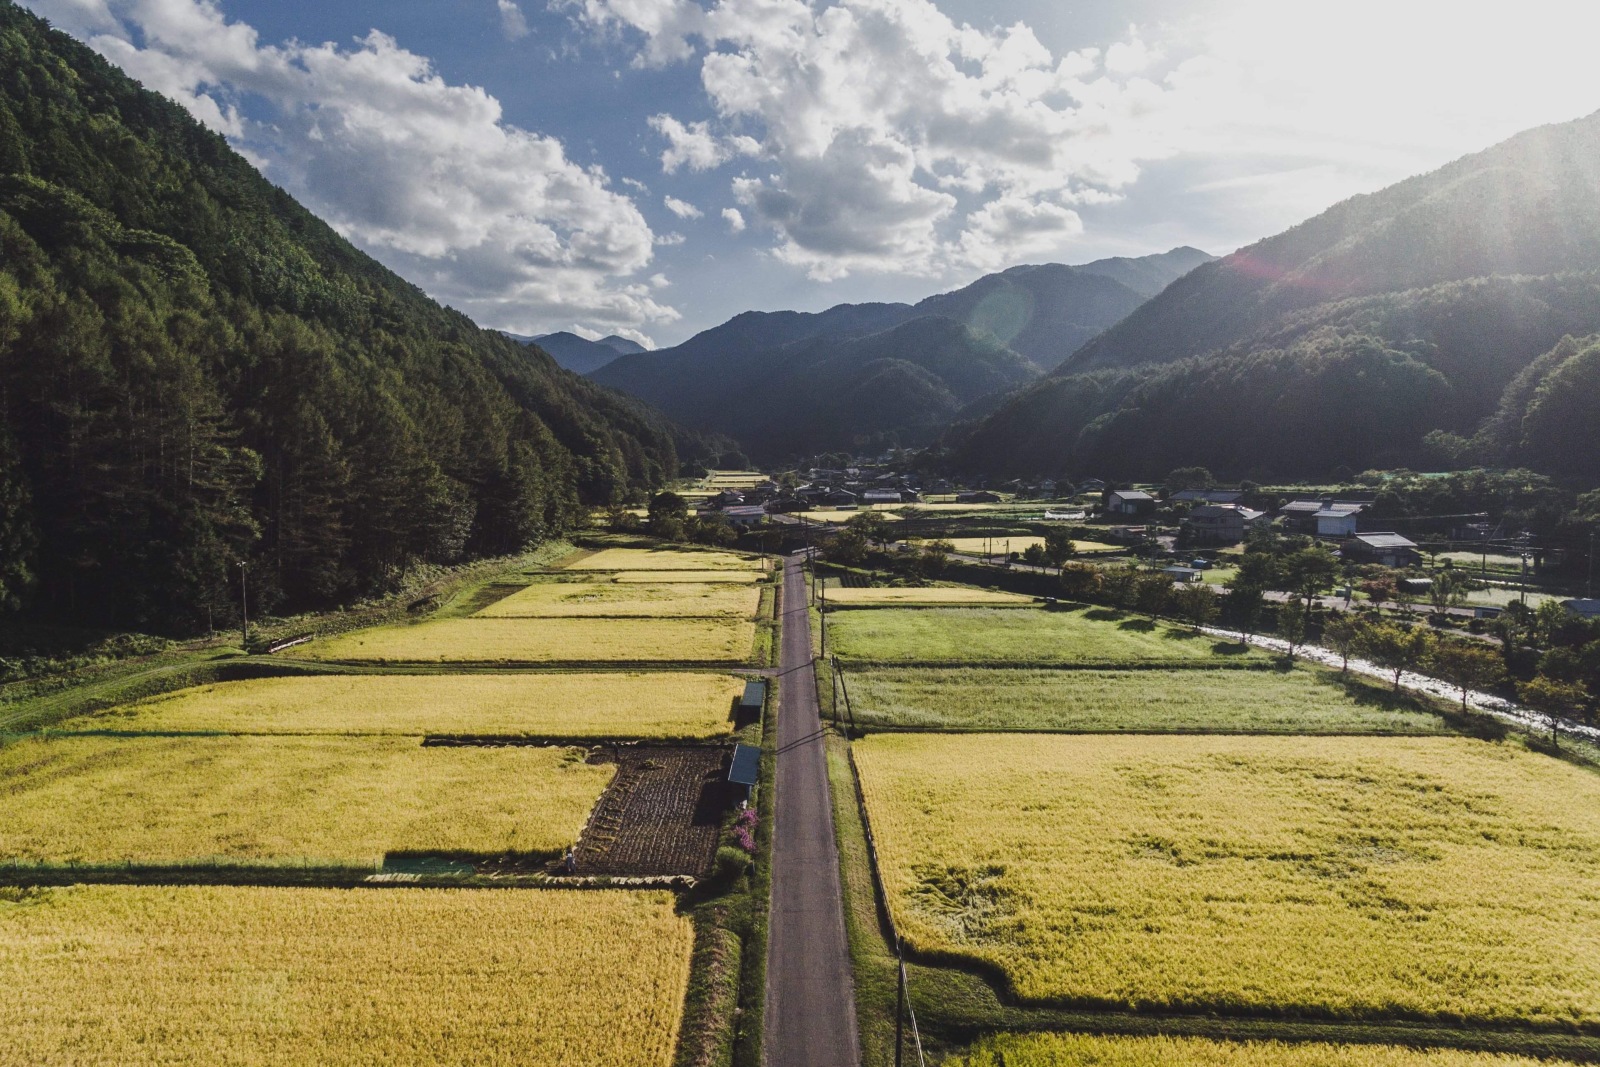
x,y
811,1012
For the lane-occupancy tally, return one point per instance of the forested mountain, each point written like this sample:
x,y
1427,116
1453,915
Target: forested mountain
x,y
579,354
195,372
1390,330
997,333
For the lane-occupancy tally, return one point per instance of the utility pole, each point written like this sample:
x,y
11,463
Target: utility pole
x,y
1592,532
244,602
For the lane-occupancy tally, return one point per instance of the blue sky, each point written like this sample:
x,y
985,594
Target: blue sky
x,y
652,167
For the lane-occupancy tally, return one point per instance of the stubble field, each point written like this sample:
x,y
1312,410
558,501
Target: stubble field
x,y
283,800
565,705
254,976
1344,877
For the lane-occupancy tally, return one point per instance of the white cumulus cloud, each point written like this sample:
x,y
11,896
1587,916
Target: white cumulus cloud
x,y
734,218
681,208
512,23
893,139
427,176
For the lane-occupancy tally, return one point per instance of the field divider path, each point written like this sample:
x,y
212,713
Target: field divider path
x,y
810,1010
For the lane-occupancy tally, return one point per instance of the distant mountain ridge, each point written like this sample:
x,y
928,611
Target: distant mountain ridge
x,y
996,334
579,354
1383,332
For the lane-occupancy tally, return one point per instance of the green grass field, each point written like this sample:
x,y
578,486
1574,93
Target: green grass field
x,y
475,640
1084,1050
1347,877
930,596
562,599
252,976
268,800
1299,701
1012,636
565,705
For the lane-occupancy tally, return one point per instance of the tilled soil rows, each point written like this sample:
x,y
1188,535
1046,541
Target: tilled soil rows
x,y
661,814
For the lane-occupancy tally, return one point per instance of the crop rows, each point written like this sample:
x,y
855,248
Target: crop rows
x,y
476,640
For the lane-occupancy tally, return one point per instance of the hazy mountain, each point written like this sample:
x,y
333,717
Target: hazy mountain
x,y
195,371
1343,341
1012,326
579,354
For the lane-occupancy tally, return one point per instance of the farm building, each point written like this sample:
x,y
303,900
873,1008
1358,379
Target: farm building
x,y
1091,485
1588,609
981,496
1389,549
882,496
1181,574
747,515
1130,502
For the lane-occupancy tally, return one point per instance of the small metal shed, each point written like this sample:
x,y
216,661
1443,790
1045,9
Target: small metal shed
x,y
745,767
755,695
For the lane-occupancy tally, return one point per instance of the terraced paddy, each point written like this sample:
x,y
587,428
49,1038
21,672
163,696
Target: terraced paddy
x,y
251,976
930,596
1299,701
1083,1050
1008,636
618,705
1335,877
661,600
339,801
517,641
666,559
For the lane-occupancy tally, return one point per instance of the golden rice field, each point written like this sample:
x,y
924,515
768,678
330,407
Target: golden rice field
x,y
694,577
907,596
729,641
1350,877
987,698
251,976
565,705
1084,1050
1001,636
559,599
338,800
665,559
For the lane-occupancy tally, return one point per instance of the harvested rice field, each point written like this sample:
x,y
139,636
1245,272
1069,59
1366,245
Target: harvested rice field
x,y
666,559
475,640
1298,701
998,636
1083,1050
563,599
694,577
251,976
934,596
339,801
612,705
1344,877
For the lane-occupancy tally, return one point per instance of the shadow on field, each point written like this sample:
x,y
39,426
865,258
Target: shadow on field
x,y
1141,626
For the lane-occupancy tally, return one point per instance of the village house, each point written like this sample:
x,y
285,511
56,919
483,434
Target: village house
x,y
1338,520
1220,524
980,496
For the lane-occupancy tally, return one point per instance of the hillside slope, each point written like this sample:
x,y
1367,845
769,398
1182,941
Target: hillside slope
x,y
1288,357
197,372
1008,328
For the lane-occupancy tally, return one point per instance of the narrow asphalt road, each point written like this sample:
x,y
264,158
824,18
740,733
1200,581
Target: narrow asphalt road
x,y
811,1010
